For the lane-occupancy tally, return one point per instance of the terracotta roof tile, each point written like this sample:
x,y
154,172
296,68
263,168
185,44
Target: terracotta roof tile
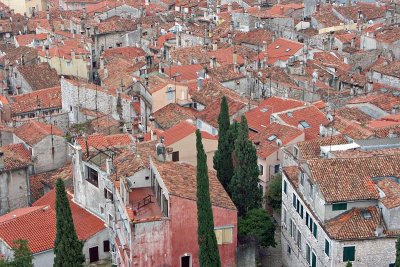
x,y
352,224
34,131
349,179
45,99
312,149
40,76
180,180
281,49
100,141
265,147
172,114
16,156
391,190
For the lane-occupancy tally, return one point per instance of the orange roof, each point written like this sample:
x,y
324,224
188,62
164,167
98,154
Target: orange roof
x,y
281,49
225,56
186,72
15,156
34,131
259,117
307,118
125,52
163,38
180,131
103,141
389,120
46,98
26,39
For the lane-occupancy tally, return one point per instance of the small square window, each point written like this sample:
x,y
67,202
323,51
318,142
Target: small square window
x,y
106,246
339,206
349,253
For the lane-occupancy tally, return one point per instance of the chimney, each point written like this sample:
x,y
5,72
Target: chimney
x,y
160,148
72,54
200,79
101,62
147,2
353,42
318,7
1,160
215,46
105,73
213,62
282,10
218,9
109,166
48,15
38,24
229,7
234,58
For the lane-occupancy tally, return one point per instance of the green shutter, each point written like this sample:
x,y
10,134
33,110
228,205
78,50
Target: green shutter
x,y
327,247
294,200
314,260
339,206
315,230
349,253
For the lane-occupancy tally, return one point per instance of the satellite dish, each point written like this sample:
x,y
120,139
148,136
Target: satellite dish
x,y
329,117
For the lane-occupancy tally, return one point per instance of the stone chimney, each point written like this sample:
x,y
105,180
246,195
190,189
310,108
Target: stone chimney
x,y
101,62
234,58
229,7
72,54
218,9
109,166
215,46
213,62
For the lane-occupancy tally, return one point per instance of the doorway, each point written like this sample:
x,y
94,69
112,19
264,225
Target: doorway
x,y
94,254
186,261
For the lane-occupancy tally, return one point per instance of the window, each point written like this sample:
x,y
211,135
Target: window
x,y
170,94
302,178
285,187
299,239
199,124
349,253
224,235
106,246
314,260
311,193
289,250
327,245
304,124
308,253
92,176
307,218
339,206
298,206
260,169
277,168
294,200
295,152
284,217
301,211
164,206
175,156
214,131
108,195
315,232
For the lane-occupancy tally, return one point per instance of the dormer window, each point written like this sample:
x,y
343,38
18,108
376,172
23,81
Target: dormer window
x,y
277,47
304,124
287,50
271,138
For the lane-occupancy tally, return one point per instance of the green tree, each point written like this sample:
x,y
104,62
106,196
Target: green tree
x,y
244,184
258,226
349,264
223,156
274,195
397,263
208,254
22,255
67,247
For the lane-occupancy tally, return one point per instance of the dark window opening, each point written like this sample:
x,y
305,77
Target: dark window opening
x,y
106,245
349,253
175,156
92,177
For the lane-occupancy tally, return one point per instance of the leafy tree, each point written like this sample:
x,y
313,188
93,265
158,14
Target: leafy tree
x,y
274,194
67,247
397,263
257,225
22,255
244,184
223,156
208,254
349,264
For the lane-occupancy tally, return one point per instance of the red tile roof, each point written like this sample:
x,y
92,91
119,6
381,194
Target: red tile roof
x,y
259,117
39,76
350,179
180,131
16,156
46,98
281,49
180,180
101,141
391,190
172,114
312,149
225,56
27,39
186,72
125,52
284,133
310,115
352,225
34,131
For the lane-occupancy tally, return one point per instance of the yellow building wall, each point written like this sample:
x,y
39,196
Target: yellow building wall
x,y
22,6
160,98
76,67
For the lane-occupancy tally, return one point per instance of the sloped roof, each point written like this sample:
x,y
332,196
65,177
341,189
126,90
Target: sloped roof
x,y
34,131
16,156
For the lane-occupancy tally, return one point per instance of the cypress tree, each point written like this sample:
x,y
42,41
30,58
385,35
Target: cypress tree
x,y
244,184
397,263
223,156
208,254
67,247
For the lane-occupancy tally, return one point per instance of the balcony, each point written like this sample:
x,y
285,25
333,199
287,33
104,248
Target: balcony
x,y
143,205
